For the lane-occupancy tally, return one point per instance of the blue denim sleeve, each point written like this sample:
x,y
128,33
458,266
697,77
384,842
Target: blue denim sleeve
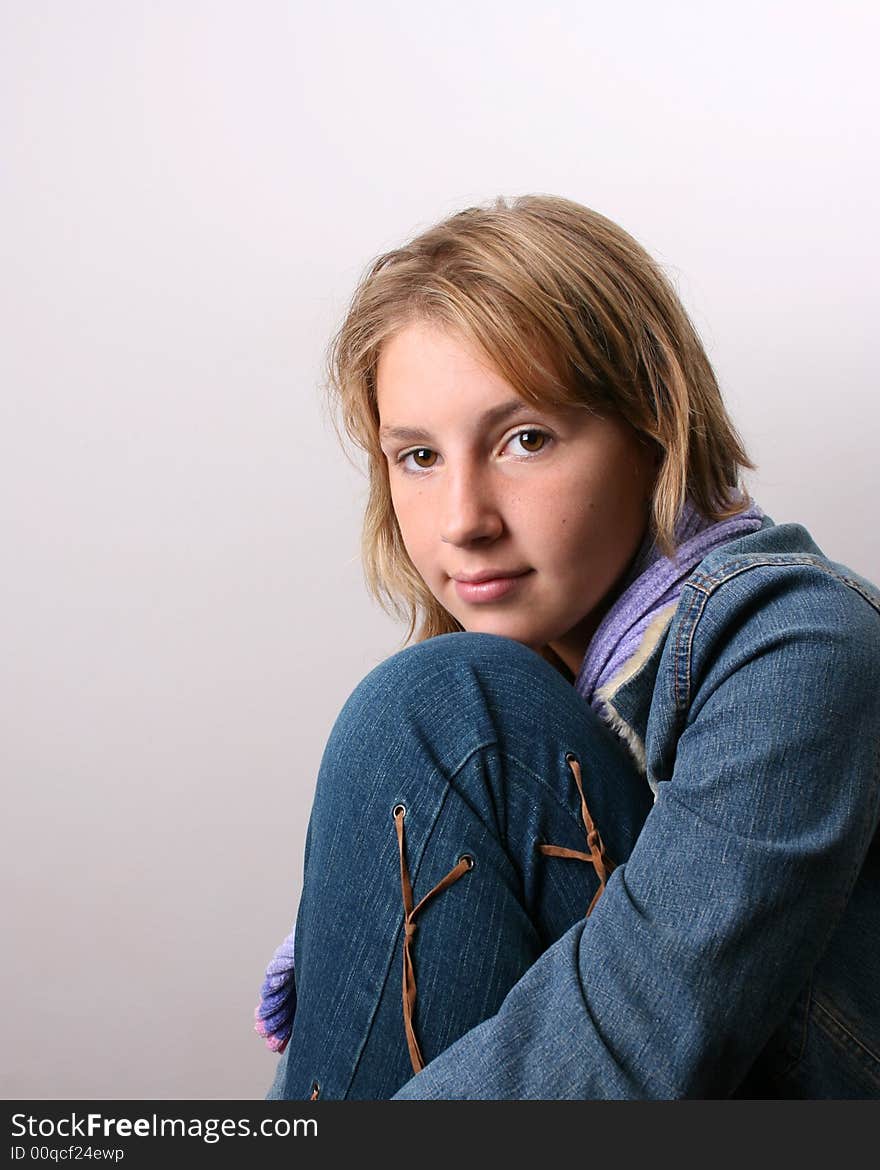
x,y
702,940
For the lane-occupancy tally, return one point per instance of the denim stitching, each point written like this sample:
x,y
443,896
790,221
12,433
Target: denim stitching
x,y
709,582
874,1070
686,629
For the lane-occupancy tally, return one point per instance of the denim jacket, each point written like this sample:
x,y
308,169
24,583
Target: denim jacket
x,y
737,952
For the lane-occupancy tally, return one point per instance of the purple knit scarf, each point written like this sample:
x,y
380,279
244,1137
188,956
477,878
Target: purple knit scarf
x,y
652,583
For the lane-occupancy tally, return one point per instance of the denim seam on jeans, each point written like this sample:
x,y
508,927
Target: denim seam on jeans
x,y
842,1035
512,767
551,792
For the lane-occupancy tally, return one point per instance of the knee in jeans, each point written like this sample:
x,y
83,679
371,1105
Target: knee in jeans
x,y
434,662
440,698
471,649
407,693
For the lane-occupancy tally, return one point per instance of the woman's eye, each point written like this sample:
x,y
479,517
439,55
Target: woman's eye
x,y
530,441
422,457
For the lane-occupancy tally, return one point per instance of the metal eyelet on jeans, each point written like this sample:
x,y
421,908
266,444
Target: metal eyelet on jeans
x,y
469,859
399,808
316,1091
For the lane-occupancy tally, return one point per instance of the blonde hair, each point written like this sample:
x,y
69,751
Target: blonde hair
x,y
569,309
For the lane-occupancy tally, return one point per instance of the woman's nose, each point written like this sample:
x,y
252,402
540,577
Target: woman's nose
x,y
470,510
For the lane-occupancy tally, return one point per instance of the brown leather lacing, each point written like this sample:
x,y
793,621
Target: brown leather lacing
x,y
597,856
316,1091
464,864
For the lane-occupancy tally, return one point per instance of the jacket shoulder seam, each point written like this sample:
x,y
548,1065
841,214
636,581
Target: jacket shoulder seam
x,y
684,640
703,586
708,582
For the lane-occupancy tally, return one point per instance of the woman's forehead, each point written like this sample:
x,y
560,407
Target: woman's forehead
x,y
423,363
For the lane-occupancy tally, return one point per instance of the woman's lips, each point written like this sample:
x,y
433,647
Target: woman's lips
x,y
491,589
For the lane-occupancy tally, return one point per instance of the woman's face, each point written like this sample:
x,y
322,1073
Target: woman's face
x,y
520,519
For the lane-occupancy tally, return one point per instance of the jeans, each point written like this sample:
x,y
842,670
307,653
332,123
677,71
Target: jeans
x,y
463,753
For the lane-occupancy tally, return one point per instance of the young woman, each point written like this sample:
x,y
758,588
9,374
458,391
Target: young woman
x,y
608,828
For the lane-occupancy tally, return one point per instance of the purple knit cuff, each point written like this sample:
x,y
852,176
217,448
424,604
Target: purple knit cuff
x,y
273,1016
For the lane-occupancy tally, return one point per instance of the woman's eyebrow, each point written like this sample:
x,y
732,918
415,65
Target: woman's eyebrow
x,y
493,416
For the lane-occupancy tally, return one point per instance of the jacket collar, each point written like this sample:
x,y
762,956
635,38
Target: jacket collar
x,y
628,696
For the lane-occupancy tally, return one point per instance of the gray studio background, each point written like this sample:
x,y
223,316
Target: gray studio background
x,y
189,193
